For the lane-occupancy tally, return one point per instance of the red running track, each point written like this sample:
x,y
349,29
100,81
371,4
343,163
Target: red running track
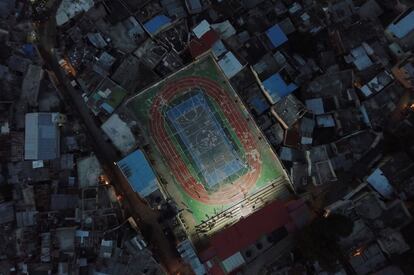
x,y
225,194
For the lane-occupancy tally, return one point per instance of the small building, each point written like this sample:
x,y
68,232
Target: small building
x,y
106,98
370,10
404,72
186,250
7,213
257,102
341,10
68,9
225,29
360,57
194,6
276,36
136,168
119,133
379,82
97,40
380,106
402,28
26,218
206,41
380,183
276,87
202,28
133,75
42,136
320,166
315,105
174,8
106,249
31,84
157,23
230,65
288,110
150,53
368,260
89,169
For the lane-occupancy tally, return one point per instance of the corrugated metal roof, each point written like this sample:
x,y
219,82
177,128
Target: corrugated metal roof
x,y
315,105
230,65
186,250
402,27
225,29
380,183
218,48
6,212
42,139
200,46
201,28
276,87
139,173
31,137
234,261
194,5
325,120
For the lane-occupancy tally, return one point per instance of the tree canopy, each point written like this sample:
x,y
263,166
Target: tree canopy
x,y
318,241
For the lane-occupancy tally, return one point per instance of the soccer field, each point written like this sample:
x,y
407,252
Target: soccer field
x,y
206,147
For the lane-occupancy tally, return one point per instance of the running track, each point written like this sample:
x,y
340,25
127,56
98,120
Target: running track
x,y
228,193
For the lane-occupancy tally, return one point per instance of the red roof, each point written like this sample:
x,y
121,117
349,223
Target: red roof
x,y
200,46
248,230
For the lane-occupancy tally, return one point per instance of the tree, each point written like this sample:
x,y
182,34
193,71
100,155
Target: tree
x,y
318,241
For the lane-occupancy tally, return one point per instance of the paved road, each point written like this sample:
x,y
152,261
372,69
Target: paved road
x,y
107,155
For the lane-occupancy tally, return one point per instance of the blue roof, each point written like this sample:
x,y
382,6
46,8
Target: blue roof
x,y
381,184
277,88
139,173
315,105
157,23
276,36
259,104
108,108
404,26
28,50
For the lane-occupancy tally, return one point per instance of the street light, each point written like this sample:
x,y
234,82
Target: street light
x,y
104,179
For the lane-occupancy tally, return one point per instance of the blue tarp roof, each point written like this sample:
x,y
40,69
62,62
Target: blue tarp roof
x,y
156,23
277,88
140,175
276,36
